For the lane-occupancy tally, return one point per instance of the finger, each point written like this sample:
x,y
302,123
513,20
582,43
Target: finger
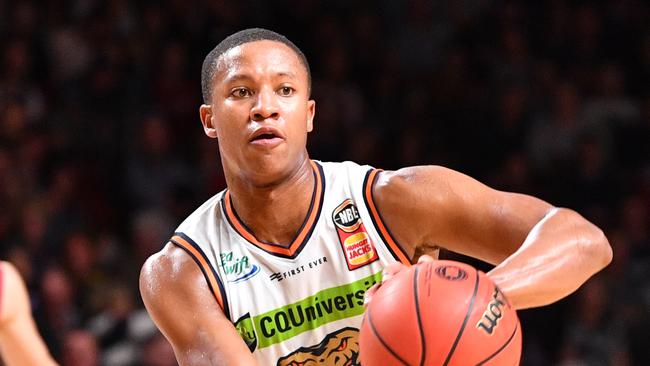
x,y
425,258
369,293
390,271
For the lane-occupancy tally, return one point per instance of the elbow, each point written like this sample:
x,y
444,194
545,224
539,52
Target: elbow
x,y
606,252
596,250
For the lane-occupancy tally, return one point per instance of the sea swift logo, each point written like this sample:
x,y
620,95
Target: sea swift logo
x,y
355,242
237,268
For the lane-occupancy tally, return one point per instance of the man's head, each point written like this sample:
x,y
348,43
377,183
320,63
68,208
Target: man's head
x,y
244,36
257,89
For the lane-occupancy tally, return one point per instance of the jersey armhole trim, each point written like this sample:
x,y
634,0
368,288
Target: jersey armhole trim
x,y
368,198
216,286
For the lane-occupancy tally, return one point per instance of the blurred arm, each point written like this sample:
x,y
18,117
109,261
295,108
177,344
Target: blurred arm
x,y
180,303
543,253
20,343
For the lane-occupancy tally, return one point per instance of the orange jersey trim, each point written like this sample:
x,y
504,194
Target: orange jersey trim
x,y
303,234
185,243
385,234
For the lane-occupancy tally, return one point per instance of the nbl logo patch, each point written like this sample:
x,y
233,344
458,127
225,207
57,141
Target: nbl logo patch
x,y
355,242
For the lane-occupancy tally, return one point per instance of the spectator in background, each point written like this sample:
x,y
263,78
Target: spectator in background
x,y
58,314
554,137
80,349
153,169
156,351
595,333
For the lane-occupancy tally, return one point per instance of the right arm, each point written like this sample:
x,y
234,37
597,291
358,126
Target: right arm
x,y
20,343
179,301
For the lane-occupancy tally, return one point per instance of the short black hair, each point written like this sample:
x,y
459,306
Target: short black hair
x,y
244,36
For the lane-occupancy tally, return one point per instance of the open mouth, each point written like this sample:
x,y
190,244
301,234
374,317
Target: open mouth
x,y
264,136
267,137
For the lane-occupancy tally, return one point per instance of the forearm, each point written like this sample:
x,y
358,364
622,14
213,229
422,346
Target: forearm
x,y
559,254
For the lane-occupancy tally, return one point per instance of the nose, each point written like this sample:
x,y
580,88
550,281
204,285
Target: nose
x,y
265,106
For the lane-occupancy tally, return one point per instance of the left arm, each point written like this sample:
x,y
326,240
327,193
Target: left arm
x,y
543,253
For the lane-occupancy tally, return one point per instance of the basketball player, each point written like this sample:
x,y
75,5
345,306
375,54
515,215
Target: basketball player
x,y
20,343
282,258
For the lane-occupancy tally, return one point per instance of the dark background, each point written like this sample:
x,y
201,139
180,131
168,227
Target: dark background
x,y
102,153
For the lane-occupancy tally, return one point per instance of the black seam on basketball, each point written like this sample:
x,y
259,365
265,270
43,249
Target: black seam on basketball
x,y
501,348
381,340
462,328
423,353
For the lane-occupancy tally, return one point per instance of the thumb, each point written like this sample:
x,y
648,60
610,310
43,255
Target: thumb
x,y
425,258
369,293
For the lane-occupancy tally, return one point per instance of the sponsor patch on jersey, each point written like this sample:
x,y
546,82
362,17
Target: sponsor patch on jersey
x,y
357,246
323,307
237,268
346,216
297,270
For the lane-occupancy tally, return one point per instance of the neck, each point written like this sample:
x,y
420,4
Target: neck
x,y
274,213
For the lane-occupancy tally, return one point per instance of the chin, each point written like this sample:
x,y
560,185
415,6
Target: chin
x,y
269,171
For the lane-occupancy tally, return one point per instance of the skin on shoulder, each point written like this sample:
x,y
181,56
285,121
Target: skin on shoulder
x,y
20,343
180,303
433,206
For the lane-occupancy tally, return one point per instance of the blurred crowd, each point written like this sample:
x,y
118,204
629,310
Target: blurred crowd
x,y
102,153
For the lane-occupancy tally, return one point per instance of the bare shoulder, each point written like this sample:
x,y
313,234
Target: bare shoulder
x,y
432,206
409,182
413,201
442,189
13,288
169,281
179,301
170,272
10,272
165,265
12,280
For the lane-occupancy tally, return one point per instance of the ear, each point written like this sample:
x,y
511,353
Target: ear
x,y
208,122
311,112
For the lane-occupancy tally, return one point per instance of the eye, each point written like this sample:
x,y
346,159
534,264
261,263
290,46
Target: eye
x,y
286,91
241,93
343,345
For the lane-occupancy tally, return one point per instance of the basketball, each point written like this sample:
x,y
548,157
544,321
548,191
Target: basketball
x,y
440,313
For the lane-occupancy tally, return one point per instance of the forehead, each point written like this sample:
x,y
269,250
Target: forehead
x,y
259,57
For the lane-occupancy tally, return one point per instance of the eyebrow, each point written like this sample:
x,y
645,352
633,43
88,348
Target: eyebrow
x,y
238,77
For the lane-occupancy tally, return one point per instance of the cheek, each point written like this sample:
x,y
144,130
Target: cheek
x,y
228,120
298,116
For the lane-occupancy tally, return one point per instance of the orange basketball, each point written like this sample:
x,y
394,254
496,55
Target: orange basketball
x,y
440,313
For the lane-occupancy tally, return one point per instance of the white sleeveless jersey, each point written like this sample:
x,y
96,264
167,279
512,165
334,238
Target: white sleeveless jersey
x,y
305,301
